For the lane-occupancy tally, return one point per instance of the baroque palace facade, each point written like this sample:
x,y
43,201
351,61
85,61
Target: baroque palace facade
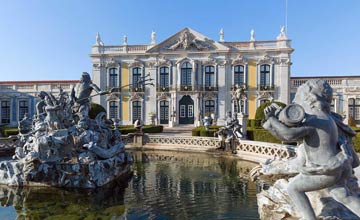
x,y
193,75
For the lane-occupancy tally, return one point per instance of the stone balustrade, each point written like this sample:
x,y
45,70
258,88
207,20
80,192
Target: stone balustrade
x,y
248,150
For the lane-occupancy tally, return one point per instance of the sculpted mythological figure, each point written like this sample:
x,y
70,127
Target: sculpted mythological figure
x,y
325,156
239,95
80,95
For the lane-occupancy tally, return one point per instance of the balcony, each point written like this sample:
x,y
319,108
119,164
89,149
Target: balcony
x,y
185,88
162,88
137,89
266,87
209,88
243,86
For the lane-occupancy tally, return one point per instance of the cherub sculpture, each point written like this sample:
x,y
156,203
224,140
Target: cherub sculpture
x,y
325,156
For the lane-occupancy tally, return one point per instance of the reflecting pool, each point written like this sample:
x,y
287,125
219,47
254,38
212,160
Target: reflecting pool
x,y
164,186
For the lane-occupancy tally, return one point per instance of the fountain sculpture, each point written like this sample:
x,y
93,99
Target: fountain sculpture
x,y
324,185
61,146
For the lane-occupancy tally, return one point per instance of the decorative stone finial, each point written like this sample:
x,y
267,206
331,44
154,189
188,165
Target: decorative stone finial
x,y
153,37
125,40
282,35
98,40
221,35
252,35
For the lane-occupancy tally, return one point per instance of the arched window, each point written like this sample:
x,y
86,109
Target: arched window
x,y
186,70
264,75
209,106
136,76
354,108
164,77
136,107
113,77
209,75
239,75
113,110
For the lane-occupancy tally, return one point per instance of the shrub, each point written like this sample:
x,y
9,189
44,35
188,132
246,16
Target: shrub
x,y
8,131
351,121
195,132
261,135
356,140
254,123
201,131
125,129
95,109
259,115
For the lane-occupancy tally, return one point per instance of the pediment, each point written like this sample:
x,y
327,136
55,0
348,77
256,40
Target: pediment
x,y
187,40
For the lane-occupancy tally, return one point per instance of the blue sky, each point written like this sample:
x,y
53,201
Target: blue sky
x,y
51,39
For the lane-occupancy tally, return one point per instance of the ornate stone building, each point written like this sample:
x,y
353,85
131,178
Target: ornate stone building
x,y
193,74
346,93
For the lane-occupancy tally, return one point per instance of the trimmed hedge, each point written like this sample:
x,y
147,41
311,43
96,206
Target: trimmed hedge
x,y
254,123
146,129
202,132
95,109
8,131
261,135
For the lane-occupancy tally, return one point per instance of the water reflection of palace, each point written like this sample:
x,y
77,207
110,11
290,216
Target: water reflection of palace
x,y
165,185
185,180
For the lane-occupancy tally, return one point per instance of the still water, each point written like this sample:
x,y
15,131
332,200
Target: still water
x,y
165,186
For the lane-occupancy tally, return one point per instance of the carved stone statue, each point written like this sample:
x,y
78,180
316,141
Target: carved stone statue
x,y
282,35
221,35
56,150
153,37
325,156
125,40
239,96
98,40
80,95
230,133
252,35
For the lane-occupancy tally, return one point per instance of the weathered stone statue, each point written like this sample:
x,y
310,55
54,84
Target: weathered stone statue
x,y
239,96
325,159
80,95
56,150
230,133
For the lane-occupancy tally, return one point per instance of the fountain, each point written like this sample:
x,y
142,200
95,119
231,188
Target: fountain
x,y
62,147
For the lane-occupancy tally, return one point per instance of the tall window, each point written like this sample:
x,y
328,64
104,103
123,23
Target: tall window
x,y
164,77
23,108
209,106
113,77
5,112
239,75
186,69
209,75
354,108
136,110
113,110
136,76
265,75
